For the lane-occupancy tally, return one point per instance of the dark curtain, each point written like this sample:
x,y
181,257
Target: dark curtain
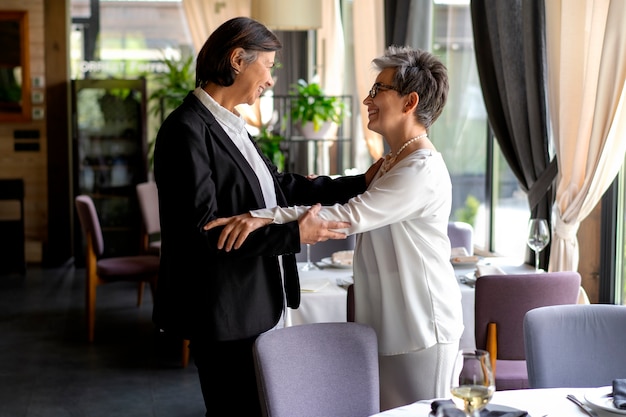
x,y
509,39
409,22
293,60
396,21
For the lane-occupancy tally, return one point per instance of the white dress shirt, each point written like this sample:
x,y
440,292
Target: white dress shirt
x,y
235,127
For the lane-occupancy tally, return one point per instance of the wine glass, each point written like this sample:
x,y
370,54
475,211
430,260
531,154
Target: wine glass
x,y
472,381
538,237
308,266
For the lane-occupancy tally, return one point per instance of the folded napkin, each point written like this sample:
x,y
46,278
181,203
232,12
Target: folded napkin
x,y
619,393
482,270
449,411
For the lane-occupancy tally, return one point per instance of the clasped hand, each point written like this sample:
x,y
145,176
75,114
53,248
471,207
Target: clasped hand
x,y
312,228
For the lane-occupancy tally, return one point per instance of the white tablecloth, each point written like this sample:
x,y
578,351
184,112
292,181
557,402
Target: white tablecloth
x,y
322,300
537,402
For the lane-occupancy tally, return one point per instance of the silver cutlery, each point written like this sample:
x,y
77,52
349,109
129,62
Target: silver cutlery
x,y
590,412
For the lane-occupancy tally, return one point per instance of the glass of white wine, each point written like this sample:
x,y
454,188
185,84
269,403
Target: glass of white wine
x,y
472,381
538,237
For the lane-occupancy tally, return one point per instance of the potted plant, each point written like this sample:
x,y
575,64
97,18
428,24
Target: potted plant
x,y
270,144
171,88
313,112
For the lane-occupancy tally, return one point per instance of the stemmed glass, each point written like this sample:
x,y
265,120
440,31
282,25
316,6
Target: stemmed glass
x,y
538,237
472,381
308,266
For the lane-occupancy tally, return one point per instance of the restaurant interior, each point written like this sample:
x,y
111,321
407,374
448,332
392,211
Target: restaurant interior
x,y
534,128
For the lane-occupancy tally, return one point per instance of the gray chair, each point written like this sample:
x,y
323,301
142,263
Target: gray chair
x,y
575,345
501,302
461,235
318,370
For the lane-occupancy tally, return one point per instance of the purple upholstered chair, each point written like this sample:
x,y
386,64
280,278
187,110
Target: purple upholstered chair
x,y
575,345
501,304
461,235
142,268
318,369
148,197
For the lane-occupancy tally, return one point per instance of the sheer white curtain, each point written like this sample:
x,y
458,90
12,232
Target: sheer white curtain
x,y
586,47
331,49
369,42
204,16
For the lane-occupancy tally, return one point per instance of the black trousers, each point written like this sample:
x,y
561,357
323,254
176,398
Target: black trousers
x,y
227,377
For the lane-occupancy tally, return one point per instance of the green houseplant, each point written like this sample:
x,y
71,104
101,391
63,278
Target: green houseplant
x,y
171,86
169,89
269,142
310,105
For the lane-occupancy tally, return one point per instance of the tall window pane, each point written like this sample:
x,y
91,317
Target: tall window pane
x,y
460,134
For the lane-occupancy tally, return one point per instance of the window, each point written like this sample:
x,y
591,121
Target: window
x,y
133,35
485,191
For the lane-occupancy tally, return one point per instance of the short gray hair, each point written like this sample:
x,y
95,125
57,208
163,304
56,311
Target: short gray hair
x,y
421,72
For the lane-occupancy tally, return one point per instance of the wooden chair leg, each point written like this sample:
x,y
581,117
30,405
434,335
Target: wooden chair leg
x,y
492,345
185,355
90,302
140,293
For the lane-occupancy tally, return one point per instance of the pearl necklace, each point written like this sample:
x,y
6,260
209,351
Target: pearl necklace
x,y
390,159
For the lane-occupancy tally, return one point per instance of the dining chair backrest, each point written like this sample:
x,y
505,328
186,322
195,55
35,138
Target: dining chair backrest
x,y
318,370
100,270
461,235
90,223
501,302
575,346
326,248
148,197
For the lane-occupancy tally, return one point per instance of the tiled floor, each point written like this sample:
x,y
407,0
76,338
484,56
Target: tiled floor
x,y
47,369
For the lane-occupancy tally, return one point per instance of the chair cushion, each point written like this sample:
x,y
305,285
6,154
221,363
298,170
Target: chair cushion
x,y
125,267
511,374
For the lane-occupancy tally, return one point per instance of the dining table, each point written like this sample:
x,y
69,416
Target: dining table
x,y
324,296
544,402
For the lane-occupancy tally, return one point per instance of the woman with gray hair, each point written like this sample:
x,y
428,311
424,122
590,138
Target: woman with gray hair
x,y
405,286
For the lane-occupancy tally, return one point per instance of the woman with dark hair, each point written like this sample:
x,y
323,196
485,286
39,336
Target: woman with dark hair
x,y
206,165
404,284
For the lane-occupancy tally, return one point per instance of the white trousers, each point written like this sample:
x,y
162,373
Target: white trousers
x,y
415,376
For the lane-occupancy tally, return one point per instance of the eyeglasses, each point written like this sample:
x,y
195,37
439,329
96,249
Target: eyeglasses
x,y
377,86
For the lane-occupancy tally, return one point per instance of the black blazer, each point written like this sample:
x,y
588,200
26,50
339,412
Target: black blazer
x,y
201,175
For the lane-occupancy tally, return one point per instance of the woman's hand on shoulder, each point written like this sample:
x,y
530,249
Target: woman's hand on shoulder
x,y
236,229
372,170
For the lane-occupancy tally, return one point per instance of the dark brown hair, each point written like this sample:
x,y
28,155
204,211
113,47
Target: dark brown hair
x,y
213,62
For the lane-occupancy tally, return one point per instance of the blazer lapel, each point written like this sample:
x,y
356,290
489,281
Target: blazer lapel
x,y
291,279
218,134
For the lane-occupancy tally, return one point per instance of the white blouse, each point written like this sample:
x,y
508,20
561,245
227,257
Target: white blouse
x,y
405,286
